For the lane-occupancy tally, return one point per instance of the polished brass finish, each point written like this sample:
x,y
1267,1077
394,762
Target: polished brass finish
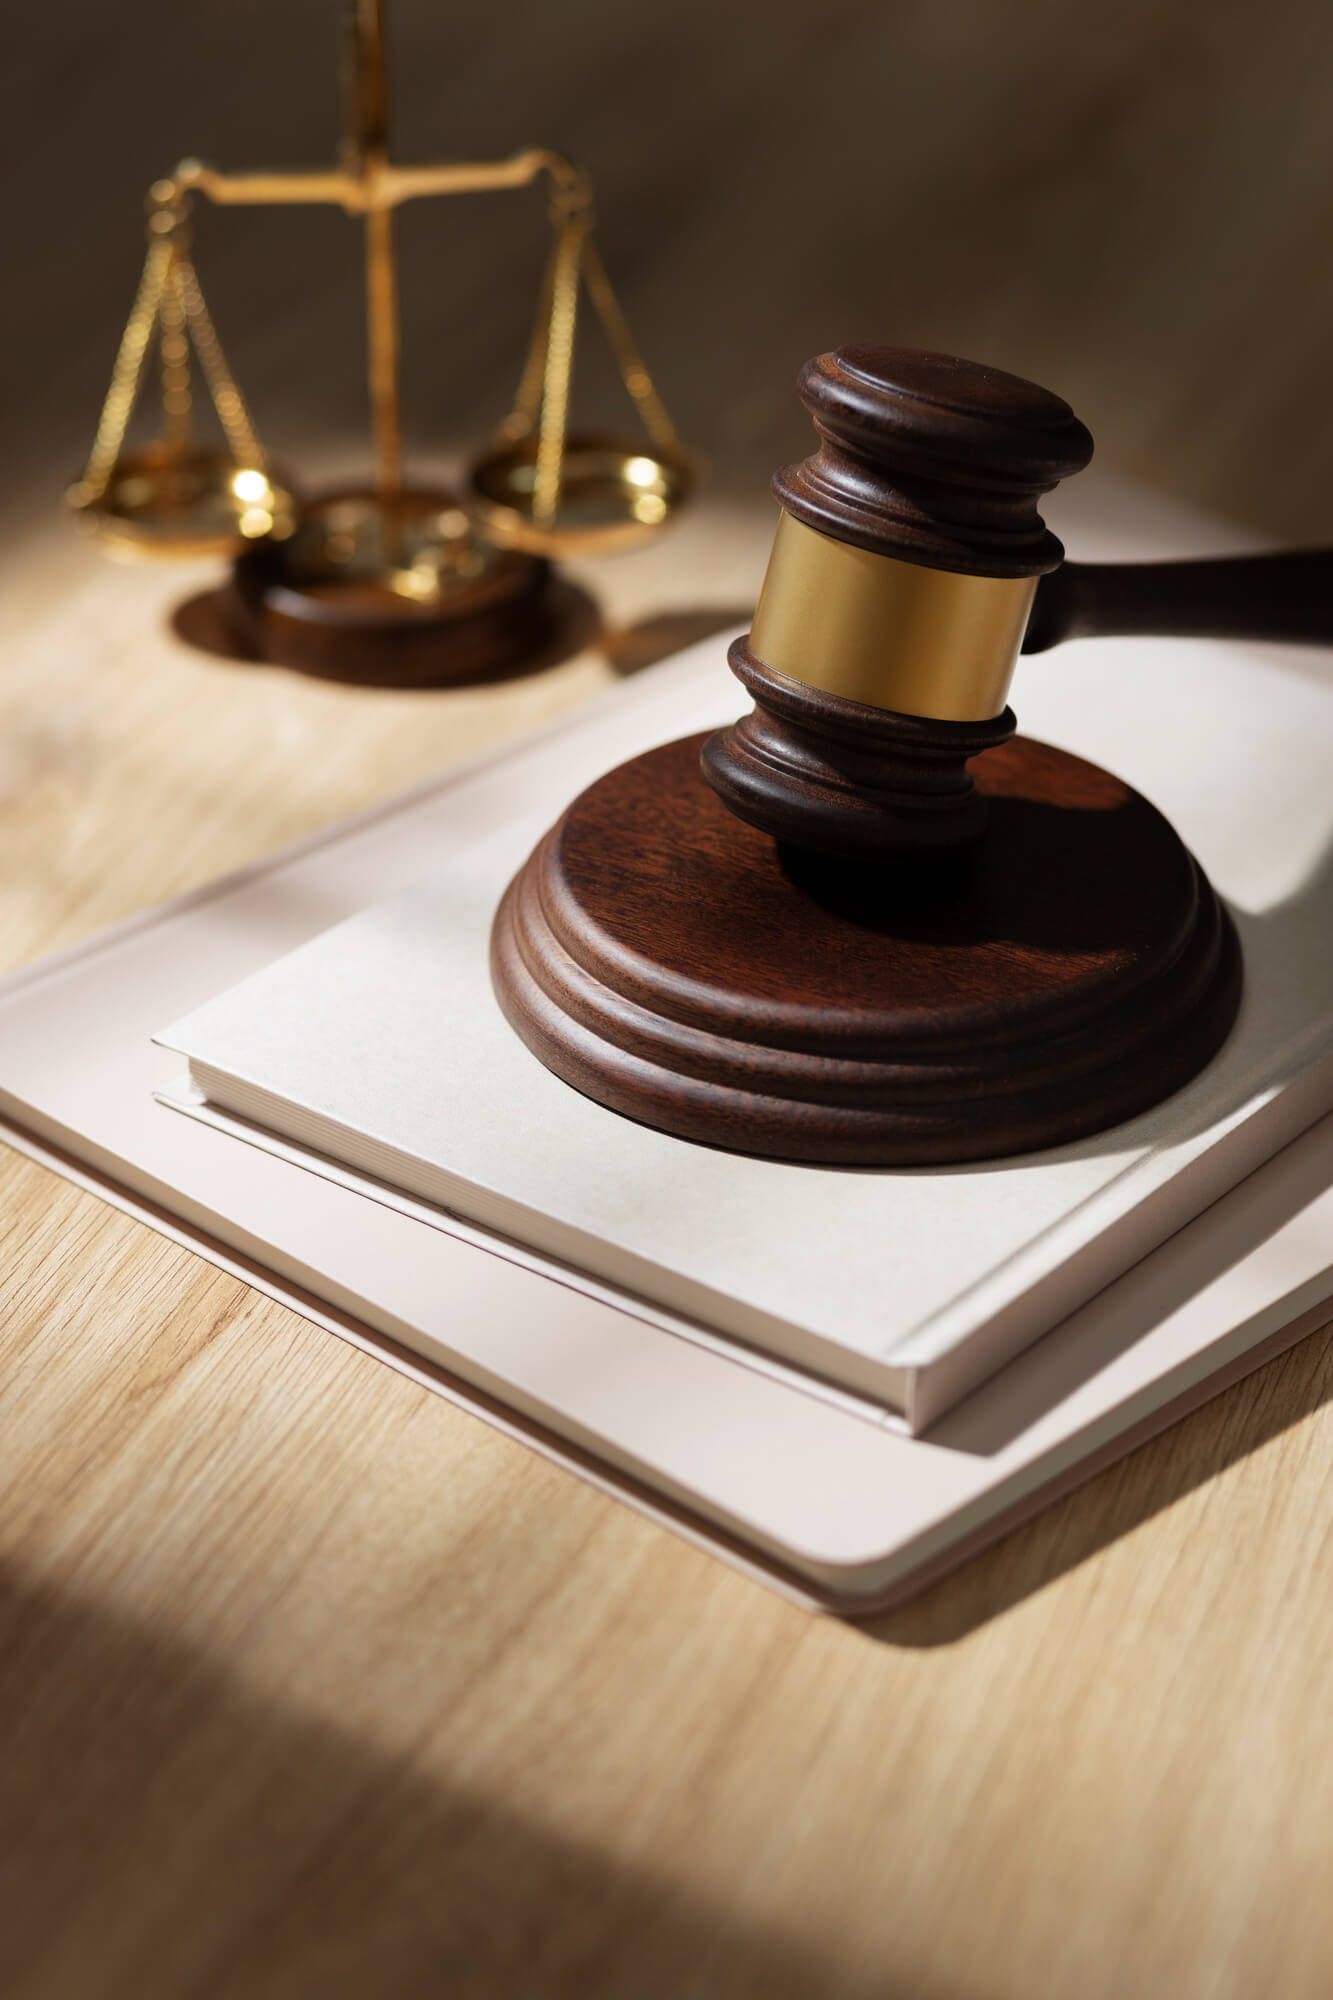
x,y
541,490
174,497
613,493
172,500
536,490
377,185
891,634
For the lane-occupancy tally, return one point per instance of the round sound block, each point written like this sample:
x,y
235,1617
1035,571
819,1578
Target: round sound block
x,y
679,966
393,593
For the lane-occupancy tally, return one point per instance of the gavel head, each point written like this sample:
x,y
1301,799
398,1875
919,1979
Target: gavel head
x,y
903,571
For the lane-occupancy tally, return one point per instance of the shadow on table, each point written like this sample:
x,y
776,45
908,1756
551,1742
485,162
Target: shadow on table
x,y
1117,1502
165,1830
203,622
631,648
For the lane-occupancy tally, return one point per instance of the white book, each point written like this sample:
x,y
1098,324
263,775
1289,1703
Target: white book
x,y
379,1047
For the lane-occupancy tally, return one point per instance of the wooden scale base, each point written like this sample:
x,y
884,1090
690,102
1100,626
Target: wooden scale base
x,y
1070,969
354,595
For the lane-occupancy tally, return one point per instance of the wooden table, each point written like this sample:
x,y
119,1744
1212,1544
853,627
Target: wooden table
x,y
311,1684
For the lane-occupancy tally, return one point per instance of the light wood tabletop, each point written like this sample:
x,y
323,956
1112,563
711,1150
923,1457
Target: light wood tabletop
x,y
310,1683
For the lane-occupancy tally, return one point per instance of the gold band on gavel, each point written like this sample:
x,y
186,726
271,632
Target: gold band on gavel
x,y
891,634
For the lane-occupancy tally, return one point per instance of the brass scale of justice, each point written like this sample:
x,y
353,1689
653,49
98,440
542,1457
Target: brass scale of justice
x,y
864,925
396,582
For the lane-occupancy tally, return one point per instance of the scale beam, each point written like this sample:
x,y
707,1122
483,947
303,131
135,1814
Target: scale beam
x,y
369,185
359,189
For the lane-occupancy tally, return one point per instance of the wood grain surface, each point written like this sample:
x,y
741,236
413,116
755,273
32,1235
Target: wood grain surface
x,y
311,1684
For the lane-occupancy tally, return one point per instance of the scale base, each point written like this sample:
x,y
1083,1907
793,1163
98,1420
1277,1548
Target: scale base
x,y
682,968
393,593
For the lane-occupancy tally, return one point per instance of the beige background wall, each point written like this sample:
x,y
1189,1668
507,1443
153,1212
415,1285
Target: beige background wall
x,y
1131,202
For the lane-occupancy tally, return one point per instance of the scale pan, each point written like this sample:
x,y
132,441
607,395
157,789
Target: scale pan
x,y
164,501
613,493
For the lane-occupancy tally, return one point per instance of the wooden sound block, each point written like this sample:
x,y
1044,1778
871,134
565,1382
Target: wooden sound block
x,y
679,966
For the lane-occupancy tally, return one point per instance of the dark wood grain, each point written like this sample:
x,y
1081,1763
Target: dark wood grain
x,y
1285,597
685,970
841,778
933,460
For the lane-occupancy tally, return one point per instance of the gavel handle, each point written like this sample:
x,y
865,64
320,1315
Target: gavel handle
x,y
1286,597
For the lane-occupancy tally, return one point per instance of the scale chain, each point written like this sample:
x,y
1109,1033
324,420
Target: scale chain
x,y
228,401
174,346
523,418
559,363
635,376
127,372
541,401
169,299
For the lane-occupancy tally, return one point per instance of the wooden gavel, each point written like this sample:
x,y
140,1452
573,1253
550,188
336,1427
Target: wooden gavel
x,y
909,570
764,961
